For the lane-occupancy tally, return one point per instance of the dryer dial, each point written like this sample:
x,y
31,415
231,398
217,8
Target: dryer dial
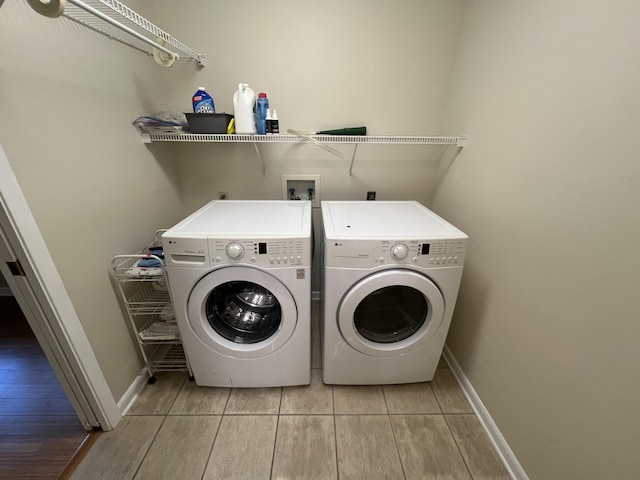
x,y
399,251
234,250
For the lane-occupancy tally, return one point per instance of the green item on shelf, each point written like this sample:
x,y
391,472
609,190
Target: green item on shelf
x,y
345,131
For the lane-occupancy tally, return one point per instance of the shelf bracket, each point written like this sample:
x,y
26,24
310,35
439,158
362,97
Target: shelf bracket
x,y
255,145
353,157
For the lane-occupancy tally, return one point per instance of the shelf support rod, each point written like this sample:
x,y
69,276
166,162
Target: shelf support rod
x,y
309,138
353,157
122,27
255,145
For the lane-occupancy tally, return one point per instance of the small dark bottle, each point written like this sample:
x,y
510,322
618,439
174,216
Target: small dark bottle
x,y
269,123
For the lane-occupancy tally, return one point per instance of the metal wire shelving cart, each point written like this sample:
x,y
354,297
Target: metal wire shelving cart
x,y
141,286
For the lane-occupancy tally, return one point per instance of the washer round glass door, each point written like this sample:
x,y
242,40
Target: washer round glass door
x,y
390,312
242,311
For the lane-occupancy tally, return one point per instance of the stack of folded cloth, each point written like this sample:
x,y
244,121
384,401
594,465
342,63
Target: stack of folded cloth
x,y
160,331
148,266
167,314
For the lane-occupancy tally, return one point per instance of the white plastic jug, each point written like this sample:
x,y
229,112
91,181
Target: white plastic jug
x,y
243,101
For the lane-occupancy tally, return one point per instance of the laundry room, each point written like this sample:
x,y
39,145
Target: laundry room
x,y
540,97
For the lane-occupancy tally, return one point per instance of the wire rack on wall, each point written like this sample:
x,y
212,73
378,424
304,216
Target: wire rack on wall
x,y
120,23
319,140
353,139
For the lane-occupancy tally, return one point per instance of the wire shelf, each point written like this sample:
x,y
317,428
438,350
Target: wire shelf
x,y
169,336
149,301
124,266
351,139
168,358
109,16
321,141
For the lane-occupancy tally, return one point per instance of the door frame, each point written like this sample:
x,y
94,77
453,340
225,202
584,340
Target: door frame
x,y
41,294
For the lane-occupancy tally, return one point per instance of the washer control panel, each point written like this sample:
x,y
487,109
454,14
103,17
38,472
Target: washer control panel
x,y
265,253
372,253
274,253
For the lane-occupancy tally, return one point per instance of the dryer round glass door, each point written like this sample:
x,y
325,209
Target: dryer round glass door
x,y
390,312
242,311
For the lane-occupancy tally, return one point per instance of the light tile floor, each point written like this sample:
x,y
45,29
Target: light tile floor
x,y
177,430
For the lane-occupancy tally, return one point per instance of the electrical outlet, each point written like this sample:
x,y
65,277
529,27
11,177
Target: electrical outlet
x,y
223,195
371,195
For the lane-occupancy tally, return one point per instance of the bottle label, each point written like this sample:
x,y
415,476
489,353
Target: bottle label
x,y
204,106
203,103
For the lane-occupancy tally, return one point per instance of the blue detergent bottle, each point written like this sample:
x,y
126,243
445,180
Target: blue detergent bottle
x,y
203,102
262,105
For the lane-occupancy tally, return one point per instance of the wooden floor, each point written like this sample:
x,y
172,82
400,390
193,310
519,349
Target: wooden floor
x,y
39,430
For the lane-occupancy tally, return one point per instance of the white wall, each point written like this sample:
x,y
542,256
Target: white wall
x,y
548,189
68,97
67,100
323,65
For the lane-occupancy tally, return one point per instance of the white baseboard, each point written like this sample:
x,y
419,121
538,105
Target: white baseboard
x,y
130,396
511,463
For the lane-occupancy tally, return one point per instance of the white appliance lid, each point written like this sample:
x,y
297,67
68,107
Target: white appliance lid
x,y
247,218
384,220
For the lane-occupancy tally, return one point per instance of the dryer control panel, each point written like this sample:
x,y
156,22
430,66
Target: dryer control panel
x,y
373,253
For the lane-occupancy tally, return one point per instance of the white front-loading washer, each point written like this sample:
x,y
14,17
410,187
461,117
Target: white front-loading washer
x,y
239,278
391,277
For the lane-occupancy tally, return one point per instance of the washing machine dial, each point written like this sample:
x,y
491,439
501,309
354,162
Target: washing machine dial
x,y
234,250
399,251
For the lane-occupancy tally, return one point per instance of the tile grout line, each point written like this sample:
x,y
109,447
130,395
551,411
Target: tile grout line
x,y
173,402
275,437
226,403
444,417
215,437
435,395
155,436
393,432
458,446
335,431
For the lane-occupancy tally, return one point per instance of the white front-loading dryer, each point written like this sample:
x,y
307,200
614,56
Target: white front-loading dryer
x,y
239,278
391,276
